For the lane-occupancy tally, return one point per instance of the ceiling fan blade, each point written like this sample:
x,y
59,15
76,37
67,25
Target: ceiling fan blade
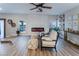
x,y
33,8
33,4
46,7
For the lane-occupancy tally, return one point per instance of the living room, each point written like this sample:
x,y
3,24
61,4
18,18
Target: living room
x,y
23,24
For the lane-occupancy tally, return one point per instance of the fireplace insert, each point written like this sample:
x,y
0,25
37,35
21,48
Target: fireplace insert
x,y
37,29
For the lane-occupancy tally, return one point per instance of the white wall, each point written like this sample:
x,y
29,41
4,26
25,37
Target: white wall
x,y
31,21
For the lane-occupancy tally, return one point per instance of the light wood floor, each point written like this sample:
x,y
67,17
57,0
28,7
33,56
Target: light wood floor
x,y
19,48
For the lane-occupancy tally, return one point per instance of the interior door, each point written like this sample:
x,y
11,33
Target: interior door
x,y
2,28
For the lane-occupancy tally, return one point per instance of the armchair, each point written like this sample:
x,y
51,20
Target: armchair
x,y
50,41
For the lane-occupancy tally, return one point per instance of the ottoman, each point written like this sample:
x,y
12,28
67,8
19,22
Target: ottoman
x,y
33,44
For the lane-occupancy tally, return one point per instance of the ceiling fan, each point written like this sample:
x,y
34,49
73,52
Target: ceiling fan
x,y
40,7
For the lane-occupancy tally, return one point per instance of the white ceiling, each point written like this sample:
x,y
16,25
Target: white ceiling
x,y
57,8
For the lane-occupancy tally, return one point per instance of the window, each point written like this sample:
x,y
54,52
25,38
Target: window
x,y
22,26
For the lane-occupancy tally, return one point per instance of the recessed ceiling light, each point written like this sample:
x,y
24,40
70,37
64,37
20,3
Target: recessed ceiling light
x,y
0,8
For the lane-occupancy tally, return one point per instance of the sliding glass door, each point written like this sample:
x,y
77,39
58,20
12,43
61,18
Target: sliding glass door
x,y
2,28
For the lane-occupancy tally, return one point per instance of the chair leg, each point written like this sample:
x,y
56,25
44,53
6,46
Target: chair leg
x,y
56,51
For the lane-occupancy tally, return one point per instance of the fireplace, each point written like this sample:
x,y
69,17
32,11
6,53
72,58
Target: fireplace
x,y
37,29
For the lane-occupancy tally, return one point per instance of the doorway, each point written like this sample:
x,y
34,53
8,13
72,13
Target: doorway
x,y
2,28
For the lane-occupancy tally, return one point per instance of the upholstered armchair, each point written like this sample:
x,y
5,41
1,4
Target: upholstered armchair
x,y
50,41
